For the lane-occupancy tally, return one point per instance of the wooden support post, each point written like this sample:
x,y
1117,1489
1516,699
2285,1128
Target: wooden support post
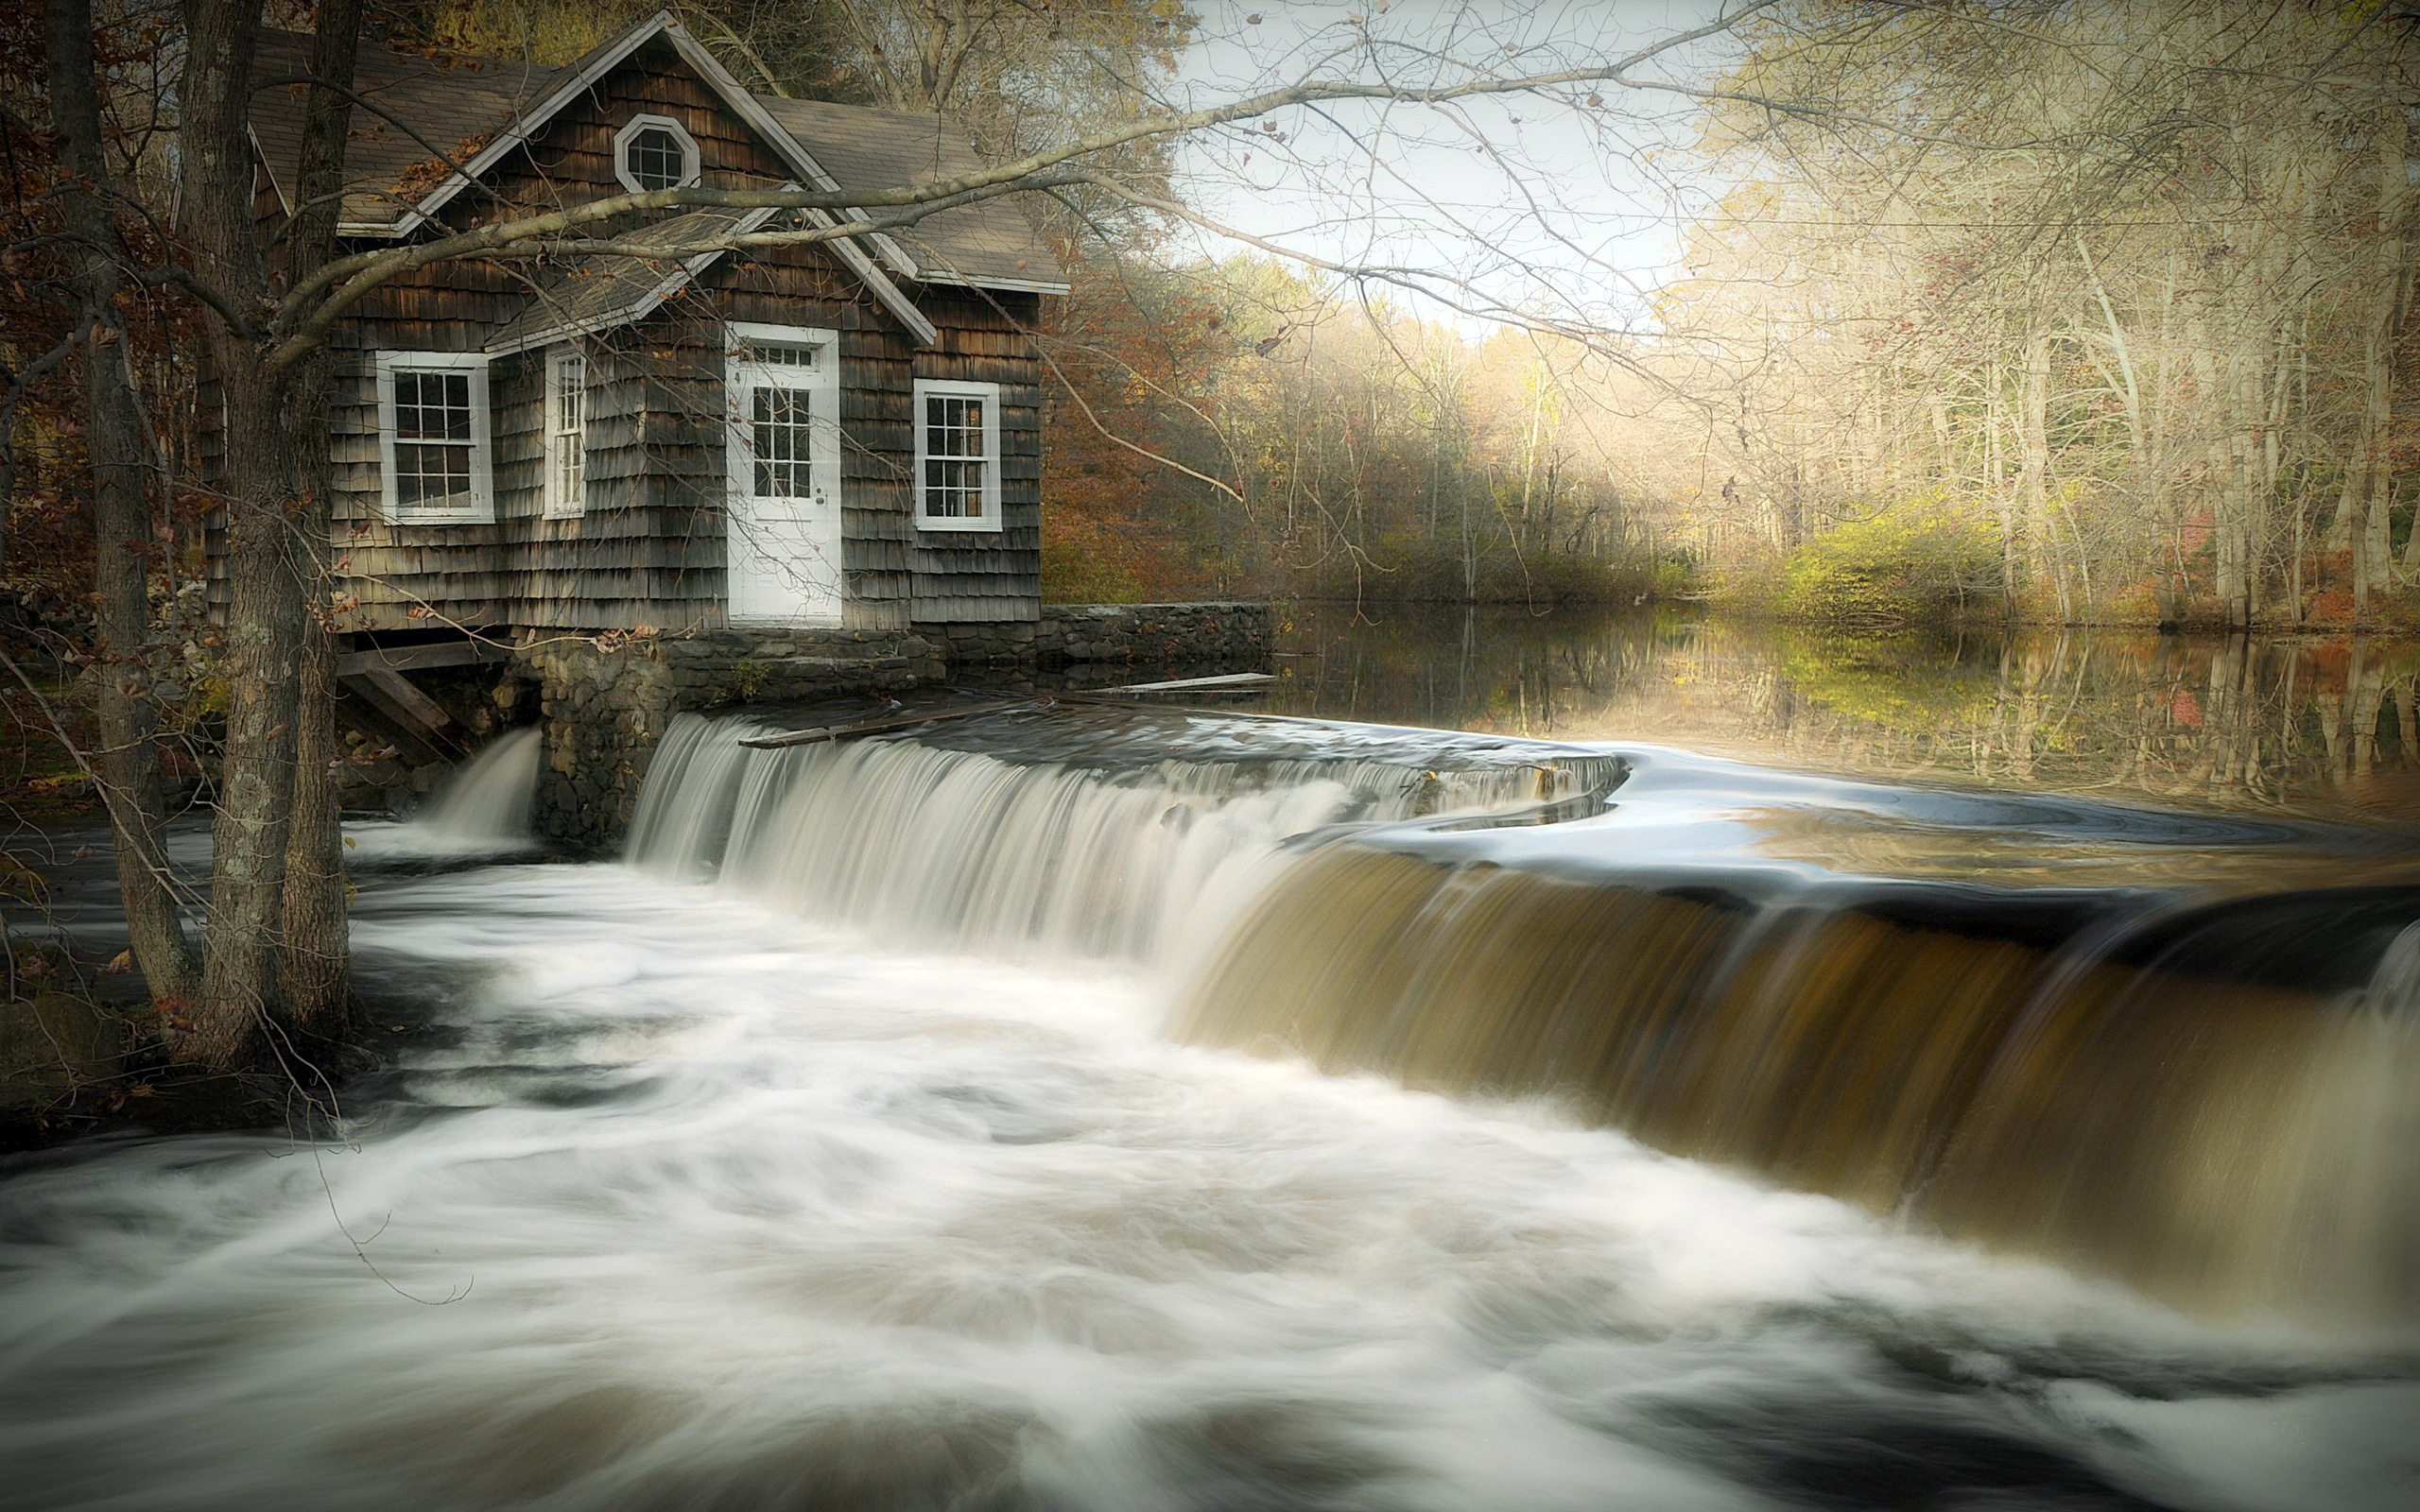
x,y
392,695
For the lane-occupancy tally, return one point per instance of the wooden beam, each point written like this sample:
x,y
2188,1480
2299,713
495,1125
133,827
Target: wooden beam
x,y
392,695
1230,679
408,658
872,727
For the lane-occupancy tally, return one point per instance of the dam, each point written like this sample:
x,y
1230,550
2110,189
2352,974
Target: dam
x,y
1076,1106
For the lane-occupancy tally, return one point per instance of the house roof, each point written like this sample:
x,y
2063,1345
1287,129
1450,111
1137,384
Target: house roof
x,y
455,106
477,110
599,293
989,243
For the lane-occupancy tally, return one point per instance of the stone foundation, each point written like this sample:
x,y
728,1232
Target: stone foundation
x,y
1158,635
1005,644
605,702
605,707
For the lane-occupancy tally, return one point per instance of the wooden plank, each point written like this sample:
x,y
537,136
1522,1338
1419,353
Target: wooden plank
x,y
1230,679
392,695
405,658
872,727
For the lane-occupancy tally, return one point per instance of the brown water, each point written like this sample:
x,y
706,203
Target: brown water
x,y
2320,724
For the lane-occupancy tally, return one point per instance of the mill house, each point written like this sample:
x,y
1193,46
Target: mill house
x,y
842,434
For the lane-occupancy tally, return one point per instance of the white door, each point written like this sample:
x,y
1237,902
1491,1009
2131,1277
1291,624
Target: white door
x,y
782,551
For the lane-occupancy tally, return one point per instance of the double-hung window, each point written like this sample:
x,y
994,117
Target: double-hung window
x,y
957,456
566,433
433,448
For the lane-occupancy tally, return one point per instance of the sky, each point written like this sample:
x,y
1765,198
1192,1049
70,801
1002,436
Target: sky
x,y
1525,202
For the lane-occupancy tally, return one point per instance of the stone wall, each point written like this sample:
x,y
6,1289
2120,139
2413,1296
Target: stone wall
x,y
605,707
1159,635
606,702
1006,644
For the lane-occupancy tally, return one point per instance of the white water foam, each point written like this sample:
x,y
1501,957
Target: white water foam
x,y
482,809
680,1200
681,1203
1037,860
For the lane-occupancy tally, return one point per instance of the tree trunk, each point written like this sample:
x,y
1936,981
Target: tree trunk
x,y
263,612
1995,484
315,881
256,769
128,765
2374,557
2033,467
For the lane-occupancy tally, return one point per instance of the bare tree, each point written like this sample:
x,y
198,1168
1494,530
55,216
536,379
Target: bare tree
x,y
273,294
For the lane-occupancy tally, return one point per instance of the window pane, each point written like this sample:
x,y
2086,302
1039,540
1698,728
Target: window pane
x,y
433,475
953,426
433,407
774,355
567,481
955,463
566,431
571,382
780,416
953,490
655,160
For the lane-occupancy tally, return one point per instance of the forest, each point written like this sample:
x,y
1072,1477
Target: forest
x,y
2048,312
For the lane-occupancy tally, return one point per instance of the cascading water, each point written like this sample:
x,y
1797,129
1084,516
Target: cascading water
x,y
482,810
1027,858
2229,1143
2103,1076
750,1176
487,802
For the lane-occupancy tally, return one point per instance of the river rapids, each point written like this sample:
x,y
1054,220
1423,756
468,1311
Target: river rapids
x,y
928,1123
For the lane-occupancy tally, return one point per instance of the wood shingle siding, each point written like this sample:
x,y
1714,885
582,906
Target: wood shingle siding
x,y
648,548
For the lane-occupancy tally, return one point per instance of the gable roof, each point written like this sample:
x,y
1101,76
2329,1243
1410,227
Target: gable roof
x,y
477,110
456,106
599,293
989,243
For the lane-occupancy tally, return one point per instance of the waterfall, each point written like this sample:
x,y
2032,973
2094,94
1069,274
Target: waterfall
x,y
2127,1101
484,805
2210,1092
928,845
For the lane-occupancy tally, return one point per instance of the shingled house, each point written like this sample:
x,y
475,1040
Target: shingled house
x,y
842,434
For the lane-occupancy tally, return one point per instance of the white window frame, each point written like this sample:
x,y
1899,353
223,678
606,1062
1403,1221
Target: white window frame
x,y
561,435
643,122
480,508
821,378
989,523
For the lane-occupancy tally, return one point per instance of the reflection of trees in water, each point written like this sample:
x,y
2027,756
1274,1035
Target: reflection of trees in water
x,y
2223,719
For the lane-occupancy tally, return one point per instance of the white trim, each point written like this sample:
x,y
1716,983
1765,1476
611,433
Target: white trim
x,y
989,522
673,282
1011,286
747,109
481,507
735,94
269,171
526,125
690,160
559,436
822,381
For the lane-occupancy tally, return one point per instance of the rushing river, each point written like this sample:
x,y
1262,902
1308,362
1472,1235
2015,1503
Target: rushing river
x,y
1092,1111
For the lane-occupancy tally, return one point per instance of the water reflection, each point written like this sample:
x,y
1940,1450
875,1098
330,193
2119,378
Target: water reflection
x,y
2304,723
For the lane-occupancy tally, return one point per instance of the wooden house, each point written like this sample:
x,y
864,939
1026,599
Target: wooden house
x,y
846,433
